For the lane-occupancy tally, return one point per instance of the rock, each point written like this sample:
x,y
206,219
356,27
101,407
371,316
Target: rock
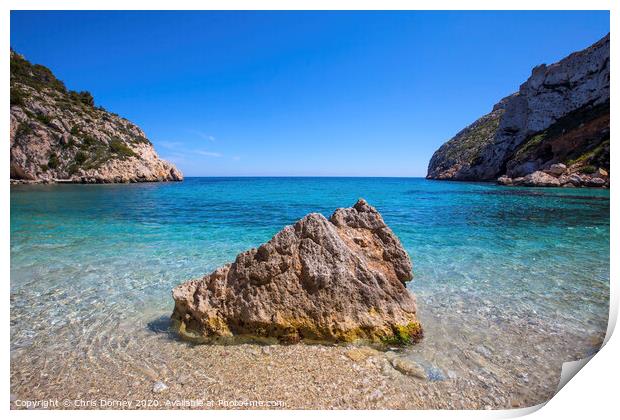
x,y
484,351
376,395
57,135
575,180
556,169
504,180
184,379
595,182
336,280
65,138
159,387
435,374
408,367
601,173
359,354
561,110
540,179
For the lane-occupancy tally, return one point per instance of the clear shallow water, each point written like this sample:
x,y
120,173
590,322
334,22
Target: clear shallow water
x,y
497,271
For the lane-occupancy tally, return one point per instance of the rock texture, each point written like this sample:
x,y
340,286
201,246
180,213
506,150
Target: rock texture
x,y
336,280
560,176
60,135
559,115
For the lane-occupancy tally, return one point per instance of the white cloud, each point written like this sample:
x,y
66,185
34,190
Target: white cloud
x,y
170,144
207,153
202,135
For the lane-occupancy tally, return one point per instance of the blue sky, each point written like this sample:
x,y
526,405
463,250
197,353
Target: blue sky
x,y
300,93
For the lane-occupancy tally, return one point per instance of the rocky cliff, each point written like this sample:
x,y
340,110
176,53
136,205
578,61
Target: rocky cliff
x,y
560,115
60,135
336,280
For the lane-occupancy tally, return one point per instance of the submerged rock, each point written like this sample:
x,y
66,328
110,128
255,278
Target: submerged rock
x,y
336,280
408,367
360,354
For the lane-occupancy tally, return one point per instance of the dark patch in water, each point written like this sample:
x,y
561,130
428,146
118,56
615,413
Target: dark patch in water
x,y
509,192
526,193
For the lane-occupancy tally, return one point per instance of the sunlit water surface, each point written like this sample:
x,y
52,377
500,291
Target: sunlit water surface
x,y
501,274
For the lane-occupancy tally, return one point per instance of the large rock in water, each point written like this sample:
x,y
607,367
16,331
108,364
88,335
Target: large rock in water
x,y
336,280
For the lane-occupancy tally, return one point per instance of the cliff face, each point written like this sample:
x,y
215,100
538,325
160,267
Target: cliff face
x,y
59,135
559,115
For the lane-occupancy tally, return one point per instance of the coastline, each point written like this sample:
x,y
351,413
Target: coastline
x,y
444,180
500,184
85,181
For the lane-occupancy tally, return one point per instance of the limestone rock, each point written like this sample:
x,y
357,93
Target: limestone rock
x,y
560,114
336,280
595,182
556,169
601,173
360,354
504,180
540,179
58,135
408,367
575,179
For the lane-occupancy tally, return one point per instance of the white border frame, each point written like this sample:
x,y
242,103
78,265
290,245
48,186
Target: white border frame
x,y
594,393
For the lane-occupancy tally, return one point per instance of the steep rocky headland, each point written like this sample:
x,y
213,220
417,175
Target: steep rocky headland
x,y
58,135
553,132
336,280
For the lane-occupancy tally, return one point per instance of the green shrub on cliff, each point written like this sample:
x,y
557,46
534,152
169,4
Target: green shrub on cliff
x,y
140,139
118,147
53,162
18,96
89,141
83,97
40,77
43,119
80,157
34,75
23,129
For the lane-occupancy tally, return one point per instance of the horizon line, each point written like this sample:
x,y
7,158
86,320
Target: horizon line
x,y
302,176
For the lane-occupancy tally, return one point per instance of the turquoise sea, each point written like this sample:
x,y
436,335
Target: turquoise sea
x,y
517,272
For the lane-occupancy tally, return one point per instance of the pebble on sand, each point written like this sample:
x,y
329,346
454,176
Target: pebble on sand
x,y
159,386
